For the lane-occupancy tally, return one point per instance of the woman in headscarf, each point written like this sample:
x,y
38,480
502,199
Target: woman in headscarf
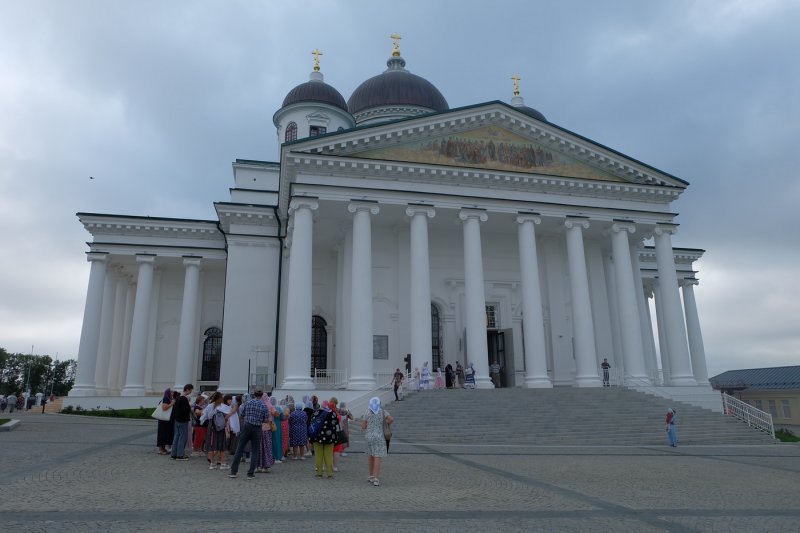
x,y
285,412
166,428
373,426
324,442
277,437
264,454
470,377
671,436
309,410
298,432
449,376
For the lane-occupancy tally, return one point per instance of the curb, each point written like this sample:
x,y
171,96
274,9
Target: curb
x,y
10,425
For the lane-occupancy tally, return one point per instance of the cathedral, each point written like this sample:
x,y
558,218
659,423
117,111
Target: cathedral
x,y
397,232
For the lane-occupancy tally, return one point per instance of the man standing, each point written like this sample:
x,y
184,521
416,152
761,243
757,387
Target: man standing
x,y
494,373
605,366
254,413
182,411
397,381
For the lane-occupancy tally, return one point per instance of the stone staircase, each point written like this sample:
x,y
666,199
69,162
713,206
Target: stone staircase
x,y
54,407
562,416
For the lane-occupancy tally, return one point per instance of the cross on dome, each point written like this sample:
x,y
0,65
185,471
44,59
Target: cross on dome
x,y
316,53
396,48
516,79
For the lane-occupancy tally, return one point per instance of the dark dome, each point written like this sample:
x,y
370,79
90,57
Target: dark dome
x,y
531,112
315,91
396,85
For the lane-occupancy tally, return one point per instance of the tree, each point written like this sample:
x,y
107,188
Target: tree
x,y
39,372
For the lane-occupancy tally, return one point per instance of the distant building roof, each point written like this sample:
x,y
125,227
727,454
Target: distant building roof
x,y
777,378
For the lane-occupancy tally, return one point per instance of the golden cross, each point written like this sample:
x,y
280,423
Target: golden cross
x,y
516,79
316,53
396,49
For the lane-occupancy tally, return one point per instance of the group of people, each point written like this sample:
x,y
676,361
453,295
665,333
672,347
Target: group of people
x,y
12,402
265,431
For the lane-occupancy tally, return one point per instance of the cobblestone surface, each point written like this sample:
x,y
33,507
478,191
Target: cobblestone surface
x,y
70,473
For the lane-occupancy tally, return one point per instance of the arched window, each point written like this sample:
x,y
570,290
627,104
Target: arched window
x,y
436,338
319,343
291,132
212,355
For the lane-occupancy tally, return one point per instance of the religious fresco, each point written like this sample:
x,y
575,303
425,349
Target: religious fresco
x,y
490,147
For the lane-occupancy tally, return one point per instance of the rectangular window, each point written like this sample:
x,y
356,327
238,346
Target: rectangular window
x,y
773,409
380,347
491,316
317,130
787,411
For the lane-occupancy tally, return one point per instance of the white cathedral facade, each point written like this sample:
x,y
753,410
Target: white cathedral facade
x,y
394,225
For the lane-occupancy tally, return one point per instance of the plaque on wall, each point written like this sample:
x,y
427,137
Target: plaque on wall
x,y
380,346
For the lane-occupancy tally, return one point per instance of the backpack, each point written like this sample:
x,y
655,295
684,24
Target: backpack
x,y
218,420
315,427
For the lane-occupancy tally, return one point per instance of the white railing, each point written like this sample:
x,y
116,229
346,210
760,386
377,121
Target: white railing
x,y
358,405
265,380
752,416
329,378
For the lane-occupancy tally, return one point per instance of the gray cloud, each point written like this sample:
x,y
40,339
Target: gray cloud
x,y
155,100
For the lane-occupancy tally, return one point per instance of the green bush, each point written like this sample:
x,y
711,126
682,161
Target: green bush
x,y
784,435
137,413
4,421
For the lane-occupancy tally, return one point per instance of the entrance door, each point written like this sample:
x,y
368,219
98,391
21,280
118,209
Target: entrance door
x,y
500,346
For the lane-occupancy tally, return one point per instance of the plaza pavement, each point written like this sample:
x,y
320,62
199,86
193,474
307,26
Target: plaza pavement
x,y
74,473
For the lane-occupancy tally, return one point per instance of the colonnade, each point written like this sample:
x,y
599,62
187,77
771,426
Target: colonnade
x,y
116,331
636,337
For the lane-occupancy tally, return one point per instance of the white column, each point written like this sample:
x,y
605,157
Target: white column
x,y
90,331
137,355
297,357
361,369
696,348
663,349
130,301
532,318
631,329
475,296
645,321
582,322
187,334
420,274
117,333
104,343
680,363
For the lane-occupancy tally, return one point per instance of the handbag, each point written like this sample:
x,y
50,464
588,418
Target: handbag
x,y
273,426
387,430
341,436
161,414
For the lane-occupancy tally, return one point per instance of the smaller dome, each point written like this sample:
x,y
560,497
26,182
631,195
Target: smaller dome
x,y
315,90
519,104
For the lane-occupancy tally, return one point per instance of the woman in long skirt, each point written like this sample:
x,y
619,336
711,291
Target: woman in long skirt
x,y
264,454
166,428
277,437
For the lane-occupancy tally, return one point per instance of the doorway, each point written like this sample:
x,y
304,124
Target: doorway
x,y
499,344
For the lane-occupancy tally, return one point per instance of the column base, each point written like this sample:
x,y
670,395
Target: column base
x,y
682,381
588,381
643,381
483,382
536,382
361,384
82,391
298,383
132,391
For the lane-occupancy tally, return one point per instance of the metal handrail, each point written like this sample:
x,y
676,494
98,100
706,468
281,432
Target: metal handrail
x,y
330,377
752,416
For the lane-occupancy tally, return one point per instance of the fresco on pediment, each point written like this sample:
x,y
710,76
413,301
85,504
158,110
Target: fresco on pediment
x,y
490,147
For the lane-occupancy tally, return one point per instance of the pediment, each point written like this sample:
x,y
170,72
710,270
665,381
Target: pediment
x,y
492,136
489,147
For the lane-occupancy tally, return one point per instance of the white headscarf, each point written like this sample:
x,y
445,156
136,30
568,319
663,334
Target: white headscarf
x,y
375,404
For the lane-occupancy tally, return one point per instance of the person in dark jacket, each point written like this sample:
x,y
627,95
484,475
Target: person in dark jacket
x,y
182,413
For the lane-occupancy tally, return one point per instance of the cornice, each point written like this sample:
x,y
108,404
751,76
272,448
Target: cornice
x,y
244,214
149,227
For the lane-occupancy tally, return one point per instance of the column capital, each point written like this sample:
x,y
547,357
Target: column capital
x,y
684,282
666,229
363,205
523,217
420,209
467,212
623,225
301,202
96,256
192,260
576,222
146,258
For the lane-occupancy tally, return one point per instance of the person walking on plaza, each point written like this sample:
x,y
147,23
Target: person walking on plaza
x,y
460,378
325,440
397,381
605,365
254,414
425,377
494,373
298,432
449,376
166,428
182,413
671,436
372,424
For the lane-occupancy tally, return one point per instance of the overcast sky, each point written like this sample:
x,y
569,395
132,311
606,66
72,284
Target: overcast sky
x,y
156,99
